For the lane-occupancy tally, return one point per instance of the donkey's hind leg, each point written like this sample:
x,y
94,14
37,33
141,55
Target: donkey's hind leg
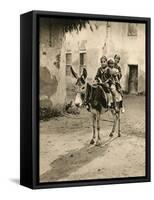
x,y
119,128
94,128
115,118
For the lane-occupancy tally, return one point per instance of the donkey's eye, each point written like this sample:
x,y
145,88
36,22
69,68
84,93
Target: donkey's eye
x,y
83,88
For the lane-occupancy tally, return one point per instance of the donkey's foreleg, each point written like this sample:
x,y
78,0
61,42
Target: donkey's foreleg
x,y
98,142
115,118
93,128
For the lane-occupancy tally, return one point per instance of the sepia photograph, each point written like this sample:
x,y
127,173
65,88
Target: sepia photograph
x,y
92,99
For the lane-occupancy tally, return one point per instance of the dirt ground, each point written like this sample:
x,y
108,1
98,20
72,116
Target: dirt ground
x,y
65,152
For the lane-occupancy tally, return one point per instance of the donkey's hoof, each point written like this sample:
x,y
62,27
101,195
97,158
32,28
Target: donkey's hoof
x,y
98,142
119,135
111,134
92,141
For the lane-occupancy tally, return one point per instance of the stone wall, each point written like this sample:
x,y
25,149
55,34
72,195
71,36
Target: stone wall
x,y
52,62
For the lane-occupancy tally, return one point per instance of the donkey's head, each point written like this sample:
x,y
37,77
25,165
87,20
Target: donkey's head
x,y
80,86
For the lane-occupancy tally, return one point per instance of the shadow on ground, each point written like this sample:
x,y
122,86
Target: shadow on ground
x,y
73,160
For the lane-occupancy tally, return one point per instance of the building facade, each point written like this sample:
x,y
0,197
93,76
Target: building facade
x,y
59,51
84,49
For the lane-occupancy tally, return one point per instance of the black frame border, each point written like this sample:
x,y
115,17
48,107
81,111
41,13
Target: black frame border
x,y
30,176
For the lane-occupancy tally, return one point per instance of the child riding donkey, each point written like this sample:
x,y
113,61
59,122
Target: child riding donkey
x,y
108,79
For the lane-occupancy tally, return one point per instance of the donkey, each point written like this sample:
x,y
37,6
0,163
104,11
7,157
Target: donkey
x,y
95,98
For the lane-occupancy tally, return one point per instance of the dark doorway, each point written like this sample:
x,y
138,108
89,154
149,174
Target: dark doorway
x,y
133,79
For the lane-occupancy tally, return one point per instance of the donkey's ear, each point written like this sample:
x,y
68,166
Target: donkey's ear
x,y
84,73
74,73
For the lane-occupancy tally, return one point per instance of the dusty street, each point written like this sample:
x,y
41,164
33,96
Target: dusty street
x,y
65,153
